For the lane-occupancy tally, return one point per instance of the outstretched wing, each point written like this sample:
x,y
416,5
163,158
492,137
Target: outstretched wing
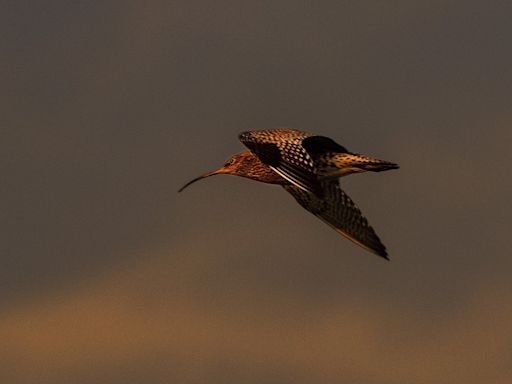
x,y
282,150
338,210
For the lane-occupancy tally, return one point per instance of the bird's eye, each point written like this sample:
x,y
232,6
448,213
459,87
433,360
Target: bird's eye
x,y
230,162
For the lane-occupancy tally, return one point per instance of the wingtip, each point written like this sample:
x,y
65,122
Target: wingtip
x,y
243,135
382,252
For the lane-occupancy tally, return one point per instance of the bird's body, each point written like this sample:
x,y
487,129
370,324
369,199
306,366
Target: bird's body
x,y
308,167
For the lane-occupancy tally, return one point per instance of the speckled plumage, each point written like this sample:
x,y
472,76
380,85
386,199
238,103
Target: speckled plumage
x,y
308,167
338,210
281,149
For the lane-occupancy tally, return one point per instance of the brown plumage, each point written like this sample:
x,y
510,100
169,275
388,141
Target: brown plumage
x,y
244,164
308,167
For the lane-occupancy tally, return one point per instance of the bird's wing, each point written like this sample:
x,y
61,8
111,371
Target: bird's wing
x,y
338,210
282,150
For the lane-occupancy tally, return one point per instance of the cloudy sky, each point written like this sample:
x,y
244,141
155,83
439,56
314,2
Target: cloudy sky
x,y
109,275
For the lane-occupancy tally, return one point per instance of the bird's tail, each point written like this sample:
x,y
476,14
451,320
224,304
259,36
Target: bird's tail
x,y
343,164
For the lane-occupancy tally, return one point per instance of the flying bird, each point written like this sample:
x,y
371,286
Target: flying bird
x,y
308,166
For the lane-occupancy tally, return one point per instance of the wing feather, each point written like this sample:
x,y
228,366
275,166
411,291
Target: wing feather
x,y
338,210
282,150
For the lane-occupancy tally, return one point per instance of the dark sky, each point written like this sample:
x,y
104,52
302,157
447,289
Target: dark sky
x,y
108,275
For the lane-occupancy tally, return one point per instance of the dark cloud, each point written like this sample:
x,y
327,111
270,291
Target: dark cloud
x,y
108,272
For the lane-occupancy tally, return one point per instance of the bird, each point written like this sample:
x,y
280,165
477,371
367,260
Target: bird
x,y
308,166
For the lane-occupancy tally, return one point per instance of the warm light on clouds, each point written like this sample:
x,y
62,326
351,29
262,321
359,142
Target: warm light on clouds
x,y
114,325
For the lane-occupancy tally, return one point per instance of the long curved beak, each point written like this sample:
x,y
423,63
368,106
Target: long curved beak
x,y
207,174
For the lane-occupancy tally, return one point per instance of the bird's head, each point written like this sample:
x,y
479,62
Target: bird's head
x,y
235,165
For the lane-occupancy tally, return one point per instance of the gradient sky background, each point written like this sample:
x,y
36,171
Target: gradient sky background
x,y
109,276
